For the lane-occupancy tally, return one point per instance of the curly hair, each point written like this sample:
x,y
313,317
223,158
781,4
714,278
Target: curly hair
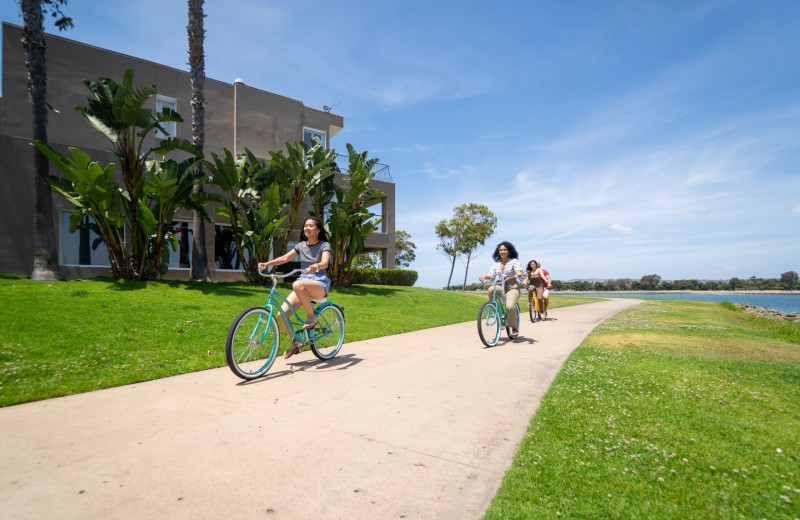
x,y
323,236
512,251
536,266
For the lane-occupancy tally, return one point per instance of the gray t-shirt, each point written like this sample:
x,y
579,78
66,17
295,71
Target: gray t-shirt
x,y
312,254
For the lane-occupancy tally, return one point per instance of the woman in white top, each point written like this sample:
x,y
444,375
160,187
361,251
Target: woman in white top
x,y
506,262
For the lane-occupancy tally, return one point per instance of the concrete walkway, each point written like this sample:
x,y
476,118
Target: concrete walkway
x,y
417,425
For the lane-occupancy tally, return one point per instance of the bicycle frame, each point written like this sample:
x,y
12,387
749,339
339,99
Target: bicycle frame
x,y
254,338
500,303
276,301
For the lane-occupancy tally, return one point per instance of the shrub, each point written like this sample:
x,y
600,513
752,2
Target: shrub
x,y
728,305
373,276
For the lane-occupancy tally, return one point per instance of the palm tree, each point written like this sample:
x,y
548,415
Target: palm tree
x,y
45,261
302,169
197,65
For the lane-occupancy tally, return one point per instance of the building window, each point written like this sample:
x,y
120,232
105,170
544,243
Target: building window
x,y
170,126
225,255
310,133
83,247
182,258
377,210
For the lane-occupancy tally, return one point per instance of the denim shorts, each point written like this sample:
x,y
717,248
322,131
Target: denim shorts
x,y
321,278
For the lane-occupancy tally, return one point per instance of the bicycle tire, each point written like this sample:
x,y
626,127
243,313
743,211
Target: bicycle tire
x,y
252,343
489,324
532,311
328,335
508,328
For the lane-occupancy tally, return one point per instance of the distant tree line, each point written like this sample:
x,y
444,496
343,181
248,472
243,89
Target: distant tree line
x,y
653,282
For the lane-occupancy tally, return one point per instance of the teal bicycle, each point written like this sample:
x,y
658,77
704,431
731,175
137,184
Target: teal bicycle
x,y
254,339
492,317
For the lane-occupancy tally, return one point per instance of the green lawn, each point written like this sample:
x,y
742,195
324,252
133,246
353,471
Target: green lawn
x,y
69,337
667,410
672,409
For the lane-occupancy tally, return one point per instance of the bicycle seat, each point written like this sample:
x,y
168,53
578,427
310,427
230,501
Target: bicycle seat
x,y
317,301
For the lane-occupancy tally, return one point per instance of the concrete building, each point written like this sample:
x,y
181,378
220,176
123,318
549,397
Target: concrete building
x,y
237,116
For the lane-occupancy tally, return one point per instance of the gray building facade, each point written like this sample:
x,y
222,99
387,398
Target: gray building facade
x,y
237,116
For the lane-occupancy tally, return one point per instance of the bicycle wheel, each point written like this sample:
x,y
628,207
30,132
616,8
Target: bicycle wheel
x,y
508,327
533,309
252,343
489,324
329,333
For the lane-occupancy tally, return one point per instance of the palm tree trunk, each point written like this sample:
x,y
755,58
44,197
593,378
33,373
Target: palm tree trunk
x,y
45,260
197,66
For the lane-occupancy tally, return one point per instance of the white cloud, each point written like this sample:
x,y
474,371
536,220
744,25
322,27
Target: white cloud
x,y
796,209
619,228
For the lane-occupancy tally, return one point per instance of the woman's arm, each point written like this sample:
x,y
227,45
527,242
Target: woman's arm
x,y
488,276
517,267
280,260
325,259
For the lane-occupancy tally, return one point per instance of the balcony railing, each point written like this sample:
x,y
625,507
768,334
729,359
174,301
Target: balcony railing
x,y
381,170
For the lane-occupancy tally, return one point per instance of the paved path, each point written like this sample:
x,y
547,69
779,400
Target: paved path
x,y
417,425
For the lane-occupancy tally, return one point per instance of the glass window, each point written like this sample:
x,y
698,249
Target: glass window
x,y
83,247
310,133
225,254
182,258
377,210
171,126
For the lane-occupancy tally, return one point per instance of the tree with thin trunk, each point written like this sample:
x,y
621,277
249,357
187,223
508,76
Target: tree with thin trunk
x,y
479,224
197,74
470,226
45,256
450,237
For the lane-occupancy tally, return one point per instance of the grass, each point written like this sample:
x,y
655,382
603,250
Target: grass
x,y
671,409
69,337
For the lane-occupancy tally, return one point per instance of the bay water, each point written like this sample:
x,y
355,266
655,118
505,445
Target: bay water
x,y
788,302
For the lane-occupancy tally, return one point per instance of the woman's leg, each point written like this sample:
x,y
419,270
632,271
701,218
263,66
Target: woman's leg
x,y
305,291
539,300
512,296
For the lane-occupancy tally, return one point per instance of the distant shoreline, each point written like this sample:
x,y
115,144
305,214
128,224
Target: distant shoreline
x,y
788,293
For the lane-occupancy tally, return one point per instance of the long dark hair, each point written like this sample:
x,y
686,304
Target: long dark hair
x,y
323,236
512,251
528,268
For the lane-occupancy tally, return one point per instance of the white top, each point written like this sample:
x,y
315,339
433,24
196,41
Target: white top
x,y
512,266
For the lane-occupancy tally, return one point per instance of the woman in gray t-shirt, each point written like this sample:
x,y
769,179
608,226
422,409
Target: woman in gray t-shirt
x,y
315,255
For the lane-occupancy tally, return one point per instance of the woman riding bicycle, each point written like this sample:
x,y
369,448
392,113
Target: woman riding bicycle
x,y
536,283
506,263
315,255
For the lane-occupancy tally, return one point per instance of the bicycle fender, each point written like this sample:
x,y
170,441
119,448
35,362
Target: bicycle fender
x,y
329,304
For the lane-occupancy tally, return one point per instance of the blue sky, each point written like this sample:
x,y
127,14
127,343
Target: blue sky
x,y
611,139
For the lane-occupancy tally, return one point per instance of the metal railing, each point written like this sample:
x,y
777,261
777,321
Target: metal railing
x,y
381,170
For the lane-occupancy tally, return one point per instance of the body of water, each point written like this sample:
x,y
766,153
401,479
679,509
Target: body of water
x,y
782,302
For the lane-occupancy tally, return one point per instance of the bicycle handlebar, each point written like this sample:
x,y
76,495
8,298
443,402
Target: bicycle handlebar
x,y
282,275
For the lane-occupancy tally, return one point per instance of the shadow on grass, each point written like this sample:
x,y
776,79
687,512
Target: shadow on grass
x,y
361,290
221,288
238,288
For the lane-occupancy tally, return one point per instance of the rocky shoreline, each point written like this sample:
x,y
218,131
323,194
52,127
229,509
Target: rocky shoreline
x,y
772,314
